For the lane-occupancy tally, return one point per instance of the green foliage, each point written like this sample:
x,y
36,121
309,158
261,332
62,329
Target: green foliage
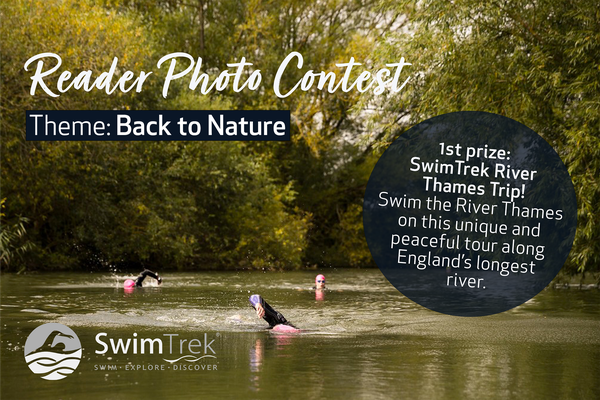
x,y
91,205
349,237
192,206
205,205
322,164
534,62
42,179
13,238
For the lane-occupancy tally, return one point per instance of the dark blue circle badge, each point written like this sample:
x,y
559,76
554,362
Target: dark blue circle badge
x,y
470,213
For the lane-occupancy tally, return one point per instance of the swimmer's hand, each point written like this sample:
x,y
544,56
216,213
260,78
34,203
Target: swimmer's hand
x,y
159,279
260,310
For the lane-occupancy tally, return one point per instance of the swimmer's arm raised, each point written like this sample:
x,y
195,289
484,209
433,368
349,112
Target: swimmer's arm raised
x,y
144,274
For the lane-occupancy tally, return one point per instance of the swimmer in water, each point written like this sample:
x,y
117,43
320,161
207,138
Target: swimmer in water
x,y
266,312
319,282
130,284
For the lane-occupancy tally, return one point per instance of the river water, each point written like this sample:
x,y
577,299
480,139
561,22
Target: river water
x,y
360,340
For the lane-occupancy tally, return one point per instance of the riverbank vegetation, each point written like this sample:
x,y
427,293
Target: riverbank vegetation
x,y
85,205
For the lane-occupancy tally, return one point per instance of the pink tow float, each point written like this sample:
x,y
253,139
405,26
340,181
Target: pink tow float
x,y
285,329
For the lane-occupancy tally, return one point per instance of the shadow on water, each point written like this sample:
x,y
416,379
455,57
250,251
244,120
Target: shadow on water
x,y
360,339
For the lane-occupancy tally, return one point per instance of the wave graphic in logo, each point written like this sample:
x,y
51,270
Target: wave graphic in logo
x,y
190,359
52,351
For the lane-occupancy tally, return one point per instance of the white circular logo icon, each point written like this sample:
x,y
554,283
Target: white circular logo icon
x,y
52,351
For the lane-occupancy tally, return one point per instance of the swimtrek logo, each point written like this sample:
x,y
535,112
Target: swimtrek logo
x,y
52,351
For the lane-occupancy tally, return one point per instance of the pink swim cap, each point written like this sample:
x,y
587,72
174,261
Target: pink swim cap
x,y
320,277
128,284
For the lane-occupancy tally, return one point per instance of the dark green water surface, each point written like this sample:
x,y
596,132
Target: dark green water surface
x,y
362,340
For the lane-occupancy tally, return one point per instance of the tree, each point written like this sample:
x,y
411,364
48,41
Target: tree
x,y
535,62
322,164
93,205
13,238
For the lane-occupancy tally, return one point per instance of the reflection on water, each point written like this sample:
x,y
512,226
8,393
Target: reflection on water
x,y
360,339
257,353
319,295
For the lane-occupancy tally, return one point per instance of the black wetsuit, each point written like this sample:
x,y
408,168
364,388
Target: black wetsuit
x,y
144,274
272,316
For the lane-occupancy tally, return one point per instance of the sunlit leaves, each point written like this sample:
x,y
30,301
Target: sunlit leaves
x,y
535,62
